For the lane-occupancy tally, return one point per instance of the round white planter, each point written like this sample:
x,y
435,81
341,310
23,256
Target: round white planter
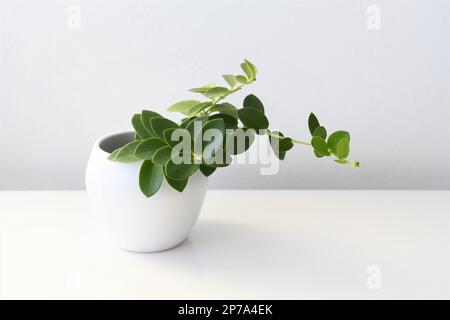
x,y
131,220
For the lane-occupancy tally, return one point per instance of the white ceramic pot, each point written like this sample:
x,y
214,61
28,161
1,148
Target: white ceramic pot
x,y
131,220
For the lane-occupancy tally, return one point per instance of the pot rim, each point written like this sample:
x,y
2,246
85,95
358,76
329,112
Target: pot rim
x,y
108,136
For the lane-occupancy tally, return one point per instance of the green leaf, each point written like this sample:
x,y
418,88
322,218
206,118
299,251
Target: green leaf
x,y
177,184
313,123
225,108
197,108
252,101
199,122
343,148
334,139
147,148
253,118
161,124
280,145
146,115
113,154
241,79
180,171
321,132
230,122
168,136
150,178
138,126
275,144
286,144
317,154
207,170
230,79
247,70
216,92
246,138
125,153
185,122
252,67
214,145
203,89
218,124
220,162
162,155
320,146
183,106
189,124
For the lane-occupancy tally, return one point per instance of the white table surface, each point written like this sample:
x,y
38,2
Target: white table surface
x,y
246,245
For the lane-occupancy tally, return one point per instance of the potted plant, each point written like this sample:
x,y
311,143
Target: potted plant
x,y
147,186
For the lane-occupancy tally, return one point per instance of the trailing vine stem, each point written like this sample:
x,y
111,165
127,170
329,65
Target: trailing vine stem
x,y
271,134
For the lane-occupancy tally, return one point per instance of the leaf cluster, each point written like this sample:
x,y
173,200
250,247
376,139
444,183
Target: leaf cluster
x,y
156,145
337,144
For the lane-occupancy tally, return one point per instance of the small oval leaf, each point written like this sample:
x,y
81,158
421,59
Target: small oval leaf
x,y
252,67
147,148
161,124
126,153
313,123
230,122
253,118
343,148
203,89
280,145
150,178
334,139
177,184
230,79
198,108
320,132
320,146
162,155
180,171
216,92
225,108
168,137
252,101
239,141
183,106
146,115
138,126
207,170
247,70
241,79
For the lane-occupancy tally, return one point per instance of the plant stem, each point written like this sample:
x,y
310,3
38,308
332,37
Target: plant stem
x,y
214,102
293,140
229,92
354,164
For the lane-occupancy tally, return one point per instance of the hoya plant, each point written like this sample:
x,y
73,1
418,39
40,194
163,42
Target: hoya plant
x,y
175,151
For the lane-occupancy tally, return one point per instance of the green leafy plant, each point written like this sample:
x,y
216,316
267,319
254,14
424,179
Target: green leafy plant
x,y
157,146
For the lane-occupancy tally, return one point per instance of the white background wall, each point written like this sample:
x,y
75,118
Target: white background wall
x,y
61,87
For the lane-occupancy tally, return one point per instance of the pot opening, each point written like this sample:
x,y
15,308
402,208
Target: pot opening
x,y
111,143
